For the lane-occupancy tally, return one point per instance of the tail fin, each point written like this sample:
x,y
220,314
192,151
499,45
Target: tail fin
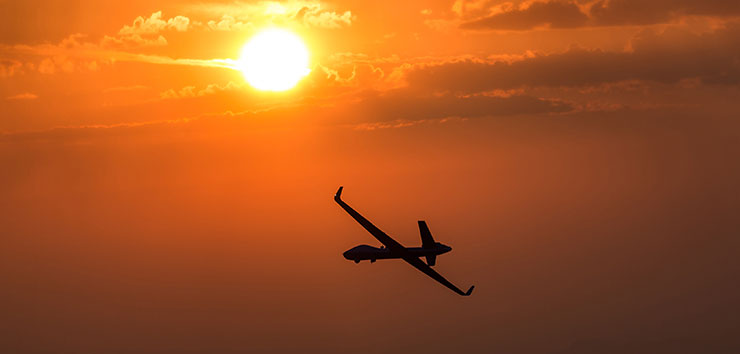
x,y
427,241
431,260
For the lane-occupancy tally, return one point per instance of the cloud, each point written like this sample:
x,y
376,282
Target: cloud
x,y
155,24
315,16
552,14
473,8
633,12
147,31
238,16
407,105
191,91
164,60
134,40
229,23
364,75
10,68
396,109
572,14
187,91
75,54
66,56
395,124
667,57
22,96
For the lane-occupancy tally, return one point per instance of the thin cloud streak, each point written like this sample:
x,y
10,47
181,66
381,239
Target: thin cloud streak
x,y
90,51
22,96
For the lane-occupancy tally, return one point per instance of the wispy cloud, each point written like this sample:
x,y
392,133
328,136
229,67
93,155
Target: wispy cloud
x,y
157,59
22,96
192,91
74,53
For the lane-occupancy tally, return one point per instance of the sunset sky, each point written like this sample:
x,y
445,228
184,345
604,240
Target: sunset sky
x,y
579,156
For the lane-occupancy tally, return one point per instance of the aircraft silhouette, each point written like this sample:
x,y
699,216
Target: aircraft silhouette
x,y
394,250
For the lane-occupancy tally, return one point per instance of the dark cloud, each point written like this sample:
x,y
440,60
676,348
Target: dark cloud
x,y
568,14
632,12
666,57
407,106
552,14
397,105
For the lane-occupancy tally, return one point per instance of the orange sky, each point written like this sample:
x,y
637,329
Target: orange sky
x,y
579,156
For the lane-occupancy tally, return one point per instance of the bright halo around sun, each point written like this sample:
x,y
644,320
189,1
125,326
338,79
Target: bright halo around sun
x,y
274,60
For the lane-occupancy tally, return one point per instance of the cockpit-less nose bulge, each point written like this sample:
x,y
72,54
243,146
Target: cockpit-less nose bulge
x,y
391,249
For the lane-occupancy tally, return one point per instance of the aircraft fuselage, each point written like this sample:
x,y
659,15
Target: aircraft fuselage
x,y
366,252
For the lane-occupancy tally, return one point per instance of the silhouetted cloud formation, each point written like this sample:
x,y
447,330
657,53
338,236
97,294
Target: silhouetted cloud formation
x,y
667,57
552,14
406,106
622,12
569,14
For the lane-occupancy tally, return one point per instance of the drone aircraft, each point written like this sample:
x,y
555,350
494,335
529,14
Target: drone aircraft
x,y
391,249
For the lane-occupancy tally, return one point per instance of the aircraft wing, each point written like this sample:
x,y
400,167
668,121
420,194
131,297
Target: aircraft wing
x,y
390,243
420,265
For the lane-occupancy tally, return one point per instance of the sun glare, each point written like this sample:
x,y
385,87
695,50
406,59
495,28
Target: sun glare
x,y
274,60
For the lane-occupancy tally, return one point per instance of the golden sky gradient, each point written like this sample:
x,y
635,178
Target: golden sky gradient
x,y
580,156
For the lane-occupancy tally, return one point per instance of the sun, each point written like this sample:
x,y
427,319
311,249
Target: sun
x,y
274,60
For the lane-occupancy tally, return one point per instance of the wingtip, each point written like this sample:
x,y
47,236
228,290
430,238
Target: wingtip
x,y
470,291
338,195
